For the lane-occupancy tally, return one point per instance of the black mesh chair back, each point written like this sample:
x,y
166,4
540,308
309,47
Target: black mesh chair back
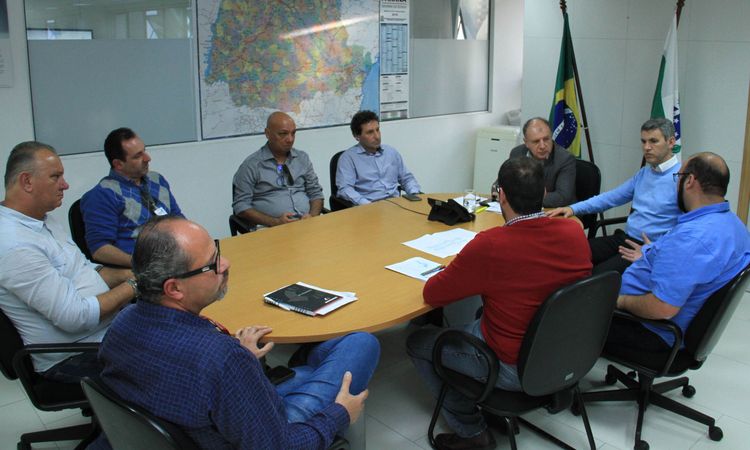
x,y
588,184
334,201
711,321
12,343
128,426
567,334
78,228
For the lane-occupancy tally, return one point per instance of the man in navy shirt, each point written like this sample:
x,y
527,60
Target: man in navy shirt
x,y
675,275
164,356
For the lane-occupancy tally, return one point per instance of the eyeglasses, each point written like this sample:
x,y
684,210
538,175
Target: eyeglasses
x,y
283,175
676,176
213,266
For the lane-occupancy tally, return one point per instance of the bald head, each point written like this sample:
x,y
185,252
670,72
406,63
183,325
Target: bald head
x,y
280,132
711,171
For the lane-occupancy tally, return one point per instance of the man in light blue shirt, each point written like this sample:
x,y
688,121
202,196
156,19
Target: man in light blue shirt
x,y
48,289
675,275
369,171
651,189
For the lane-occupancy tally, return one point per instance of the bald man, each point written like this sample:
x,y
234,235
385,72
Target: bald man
x,y
277,184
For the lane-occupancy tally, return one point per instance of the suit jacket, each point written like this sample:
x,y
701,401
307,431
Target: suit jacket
x,y
559,176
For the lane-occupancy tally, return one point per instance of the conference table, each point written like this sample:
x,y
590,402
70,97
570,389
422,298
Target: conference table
x,y
345,250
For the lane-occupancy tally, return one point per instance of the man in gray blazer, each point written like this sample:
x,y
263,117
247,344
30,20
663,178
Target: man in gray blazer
x,y
559,164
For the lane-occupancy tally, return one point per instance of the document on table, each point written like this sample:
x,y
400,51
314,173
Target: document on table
x,y
443,244
417,267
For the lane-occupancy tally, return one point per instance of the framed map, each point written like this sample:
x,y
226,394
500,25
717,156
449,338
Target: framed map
x,y
317,60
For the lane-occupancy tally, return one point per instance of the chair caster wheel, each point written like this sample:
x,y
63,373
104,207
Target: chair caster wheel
x,y
610,379
641,445
688,391
715,433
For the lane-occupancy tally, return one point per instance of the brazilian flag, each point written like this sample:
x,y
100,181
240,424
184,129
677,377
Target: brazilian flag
x,y
565,116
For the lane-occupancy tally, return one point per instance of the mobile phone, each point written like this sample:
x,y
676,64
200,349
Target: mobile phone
x,y
412,197
279,374
296,216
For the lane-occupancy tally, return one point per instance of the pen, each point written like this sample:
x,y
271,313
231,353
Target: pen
x,y
479,210
433,270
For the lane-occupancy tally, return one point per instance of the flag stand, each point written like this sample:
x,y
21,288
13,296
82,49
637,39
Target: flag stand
x,y
564,8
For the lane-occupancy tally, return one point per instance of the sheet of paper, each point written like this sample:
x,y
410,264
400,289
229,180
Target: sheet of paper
x,y
460,200
443,244
417,267
495,208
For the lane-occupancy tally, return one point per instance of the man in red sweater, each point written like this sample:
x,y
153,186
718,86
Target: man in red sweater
x,y
514,268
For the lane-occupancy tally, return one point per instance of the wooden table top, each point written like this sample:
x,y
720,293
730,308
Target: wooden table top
x,y
343,251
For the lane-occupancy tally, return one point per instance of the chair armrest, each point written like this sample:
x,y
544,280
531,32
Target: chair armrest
x,y
338,203
456,336
605,222
239,225
667,325
22,369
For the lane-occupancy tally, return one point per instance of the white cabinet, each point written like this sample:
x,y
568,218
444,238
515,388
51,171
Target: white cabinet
x,y
493,148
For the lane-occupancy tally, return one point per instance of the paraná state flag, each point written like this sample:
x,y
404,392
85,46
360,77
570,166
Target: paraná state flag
x,y
667,97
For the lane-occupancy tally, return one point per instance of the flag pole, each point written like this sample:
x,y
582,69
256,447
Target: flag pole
x,y
680,4
564,8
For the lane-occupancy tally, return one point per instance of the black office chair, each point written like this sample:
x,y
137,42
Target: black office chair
x,y
46,395
562,343
700,338
238,225
78,228
588,184
128,426
336,203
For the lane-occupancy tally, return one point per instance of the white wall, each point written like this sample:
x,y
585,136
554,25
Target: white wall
x,y
618,45
439,150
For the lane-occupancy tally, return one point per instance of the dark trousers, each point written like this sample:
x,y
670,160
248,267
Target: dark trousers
x,y
71,370
627,337
605,255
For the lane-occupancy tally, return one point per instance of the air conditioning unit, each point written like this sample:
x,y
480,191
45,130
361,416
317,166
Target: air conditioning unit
x,y
493,148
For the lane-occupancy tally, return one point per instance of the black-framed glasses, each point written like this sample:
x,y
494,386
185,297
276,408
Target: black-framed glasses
x,y
283,176
213,266
676,176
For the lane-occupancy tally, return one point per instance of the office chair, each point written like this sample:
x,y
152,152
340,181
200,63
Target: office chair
x,y
78,228
562,343
128,426
238,225
588,184
336,203
700,338
46,395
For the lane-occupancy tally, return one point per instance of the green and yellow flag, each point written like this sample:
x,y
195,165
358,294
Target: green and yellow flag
x,y
667,96
565,116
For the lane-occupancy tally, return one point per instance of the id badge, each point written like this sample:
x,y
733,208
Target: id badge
x,y
160,211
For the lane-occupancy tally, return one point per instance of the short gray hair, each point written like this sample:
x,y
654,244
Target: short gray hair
x,y
528,122
665,125
21,159
157,257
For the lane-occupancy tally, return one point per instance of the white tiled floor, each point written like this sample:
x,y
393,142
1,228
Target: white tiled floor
x,y
399,407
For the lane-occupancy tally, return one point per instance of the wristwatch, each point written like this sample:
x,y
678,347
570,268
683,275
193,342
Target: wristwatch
x,y
134,285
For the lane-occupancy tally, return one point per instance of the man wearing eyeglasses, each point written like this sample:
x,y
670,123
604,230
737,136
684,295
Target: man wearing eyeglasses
x,y
673,277
651,189
121,202
162,355
277,184
48,289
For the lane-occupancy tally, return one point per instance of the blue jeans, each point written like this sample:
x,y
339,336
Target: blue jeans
x,y
460,412
316,384
72,369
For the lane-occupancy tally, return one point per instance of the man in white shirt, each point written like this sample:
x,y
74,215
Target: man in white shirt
x,y
48,289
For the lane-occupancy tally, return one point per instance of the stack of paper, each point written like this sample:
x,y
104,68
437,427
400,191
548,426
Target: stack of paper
x,y
417,267
443,244
308,299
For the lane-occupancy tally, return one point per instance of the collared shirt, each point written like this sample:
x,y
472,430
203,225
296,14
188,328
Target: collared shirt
x,y
706,249
114,209
47,287
668,164
179,367
363,177
654,196
258,184
559,175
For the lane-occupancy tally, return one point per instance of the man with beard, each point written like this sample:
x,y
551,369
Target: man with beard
x,y
162,355
673,277
124,200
